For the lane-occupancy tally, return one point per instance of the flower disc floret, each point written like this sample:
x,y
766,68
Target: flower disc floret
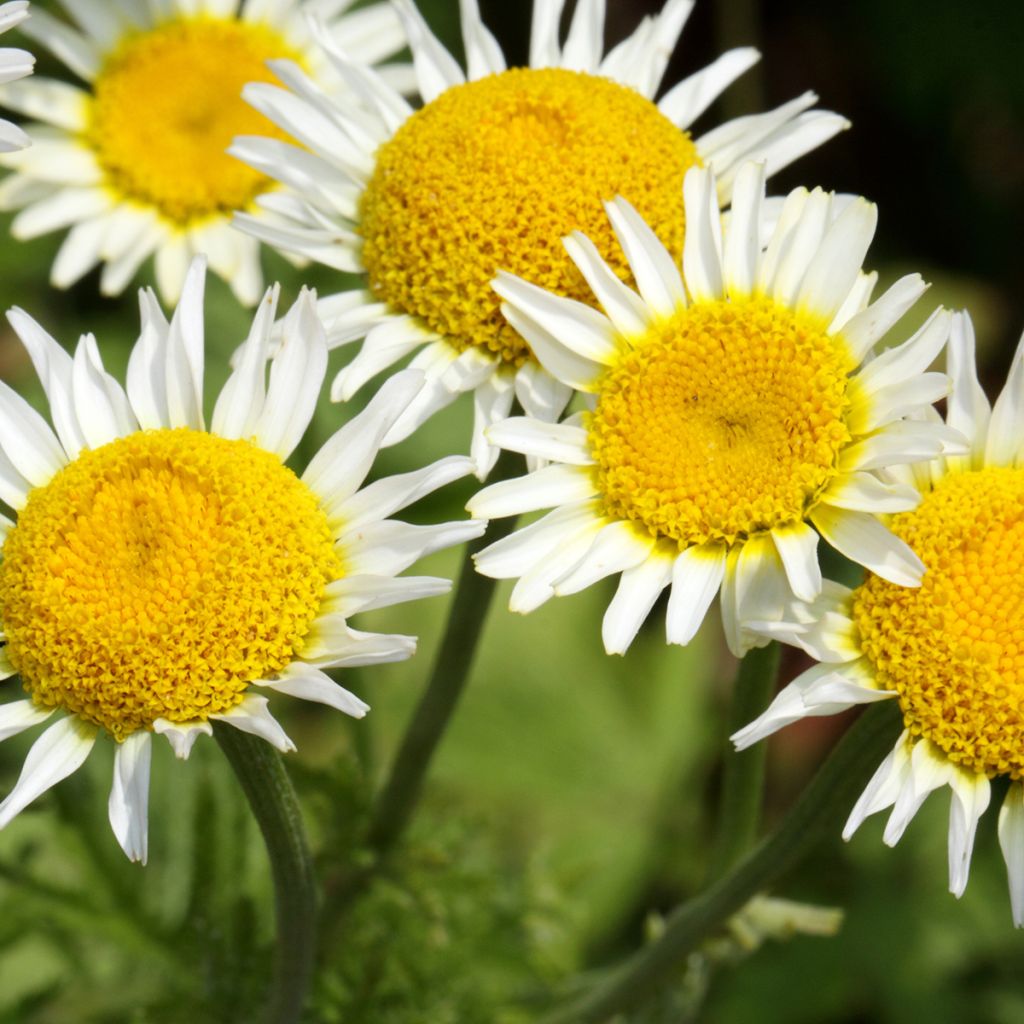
x,y
953,648
159,575
726,420
166,105
492,174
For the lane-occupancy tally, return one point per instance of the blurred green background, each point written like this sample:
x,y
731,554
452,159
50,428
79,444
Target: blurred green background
x,y
573,798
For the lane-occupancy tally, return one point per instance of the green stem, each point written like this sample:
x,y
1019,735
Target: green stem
x,y
819,812
739,812
401,792
272,799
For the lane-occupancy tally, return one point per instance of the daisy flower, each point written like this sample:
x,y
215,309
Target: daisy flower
x,y
950,653
489,174
160,576
134,163
14,64
727,424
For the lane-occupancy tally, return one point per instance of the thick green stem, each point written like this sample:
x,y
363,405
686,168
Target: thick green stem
x,y
272,798
818,813
739,807
401,793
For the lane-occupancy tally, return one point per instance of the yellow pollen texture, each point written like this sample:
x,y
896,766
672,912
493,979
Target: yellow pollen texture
x,y
724,421
166,105
159,575
491,174
953,648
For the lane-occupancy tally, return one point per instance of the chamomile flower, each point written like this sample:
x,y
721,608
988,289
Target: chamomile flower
x,y
489,174
727,424
133,164
950,653
14,64
160,576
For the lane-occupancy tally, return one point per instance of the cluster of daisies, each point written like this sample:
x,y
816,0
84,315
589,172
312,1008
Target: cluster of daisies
x,y
690,367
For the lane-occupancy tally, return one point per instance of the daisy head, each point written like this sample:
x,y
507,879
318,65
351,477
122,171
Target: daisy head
x,y
14,64
950,653
132,162
159,576
730,416
495,167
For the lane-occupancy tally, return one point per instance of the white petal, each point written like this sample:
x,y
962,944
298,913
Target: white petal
x,y
864,540
436,69
864,492
146,382
385,345
352,594
536,581
623,306
884,786
1011,841
184,352
895,401
685,102
655,271
578,327
864,330
20,715
585,41
332,643
492,402
821,690
101,407
702,247
53,366
906,361
483,54
968,410
638,590
296,374
546,488
971,795
833,270
929,769
617,547
743,237
1006,425
696,578
533,544
390,547
60,751
242,399
544,49
384,497
182,736
341,465
309,683
253,716
27,439
559,442
129,795
797,545
799,245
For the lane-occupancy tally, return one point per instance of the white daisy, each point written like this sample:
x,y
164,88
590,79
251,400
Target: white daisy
x,y
951,653
14,64
134,163
159,576
727,423
495,168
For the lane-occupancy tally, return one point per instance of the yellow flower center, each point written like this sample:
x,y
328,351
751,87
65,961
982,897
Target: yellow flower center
x,y
167,104
723,421
953,648
159,575
490,176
